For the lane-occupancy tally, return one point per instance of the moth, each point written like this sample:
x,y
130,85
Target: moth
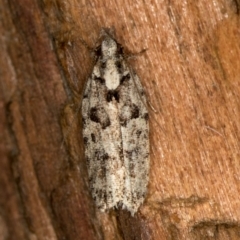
x,y
115,130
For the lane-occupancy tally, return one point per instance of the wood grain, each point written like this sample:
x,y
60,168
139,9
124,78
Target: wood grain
x,y
191,72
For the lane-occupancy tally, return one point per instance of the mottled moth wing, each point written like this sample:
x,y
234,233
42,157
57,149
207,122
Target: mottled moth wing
x,y
135,135
115,131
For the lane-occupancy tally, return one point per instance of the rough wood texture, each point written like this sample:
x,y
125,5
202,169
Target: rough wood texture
x,y
191,72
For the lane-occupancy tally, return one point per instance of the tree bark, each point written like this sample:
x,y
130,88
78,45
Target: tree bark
x,y
191,73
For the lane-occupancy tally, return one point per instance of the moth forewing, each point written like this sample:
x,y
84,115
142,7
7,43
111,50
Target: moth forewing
x,y
115,131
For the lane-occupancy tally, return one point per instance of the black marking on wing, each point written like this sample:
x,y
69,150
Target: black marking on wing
x,y
99,79
93,137
85,140
103,65
129,111
99,115
125,78
146,116
119,66
112,94
134,111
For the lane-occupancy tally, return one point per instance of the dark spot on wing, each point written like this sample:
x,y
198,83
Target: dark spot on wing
x,y
101,155
119,49
105,157
125,78
87,159
131,155
93,137
135,111
145,116
99,79
98,51
129,111
103,65
112,94
83,121
99,115
138,133
119,66
85,140
94,116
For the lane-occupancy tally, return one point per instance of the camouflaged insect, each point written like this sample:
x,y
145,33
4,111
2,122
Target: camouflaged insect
x,y
115,130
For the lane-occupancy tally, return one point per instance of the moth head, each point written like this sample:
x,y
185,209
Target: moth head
x,y
109,47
